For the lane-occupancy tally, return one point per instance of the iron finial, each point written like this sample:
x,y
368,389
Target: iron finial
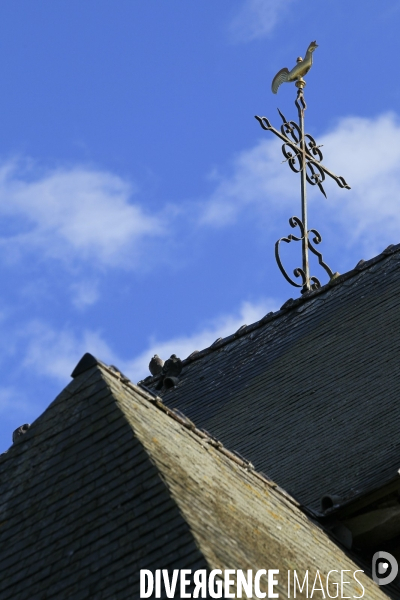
x,y
303,156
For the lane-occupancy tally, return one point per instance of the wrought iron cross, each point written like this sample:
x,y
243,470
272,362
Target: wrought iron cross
x,y
303,156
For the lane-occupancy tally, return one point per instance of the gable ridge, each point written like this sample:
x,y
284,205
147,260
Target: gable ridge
x,y
176,415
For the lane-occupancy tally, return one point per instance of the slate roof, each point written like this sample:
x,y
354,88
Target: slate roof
x,y
108,481
82,508
309,394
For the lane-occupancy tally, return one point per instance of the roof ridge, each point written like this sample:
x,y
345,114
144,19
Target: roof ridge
x,y
288,305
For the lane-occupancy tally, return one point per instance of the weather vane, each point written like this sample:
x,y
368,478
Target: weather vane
x,y
303,156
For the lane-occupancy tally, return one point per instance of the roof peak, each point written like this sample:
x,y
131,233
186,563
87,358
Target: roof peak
x,y
88,361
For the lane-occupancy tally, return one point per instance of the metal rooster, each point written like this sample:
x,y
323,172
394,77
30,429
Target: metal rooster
x,y
302,67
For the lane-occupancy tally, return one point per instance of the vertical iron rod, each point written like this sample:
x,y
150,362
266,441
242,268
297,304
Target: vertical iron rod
x,y
301,107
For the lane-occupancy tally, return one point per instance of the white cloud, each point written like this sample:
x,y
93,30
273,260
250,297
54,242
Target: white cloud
x,y
364,151
73,214
55,354
84,293
183,346
257,18
367,153
256,178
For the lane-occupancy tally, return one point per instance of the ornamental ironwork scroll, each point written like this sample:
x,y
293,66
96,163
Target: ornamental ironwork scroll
x,y
304,156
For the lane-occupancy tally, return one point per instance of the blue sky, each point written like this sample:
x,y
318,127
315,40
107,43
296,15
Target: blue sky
x,y
140,200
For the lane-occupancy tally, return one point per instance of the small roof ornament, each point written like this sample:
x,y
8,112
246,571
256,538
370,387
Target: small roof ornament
x,y
17,433
303,156
296,74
